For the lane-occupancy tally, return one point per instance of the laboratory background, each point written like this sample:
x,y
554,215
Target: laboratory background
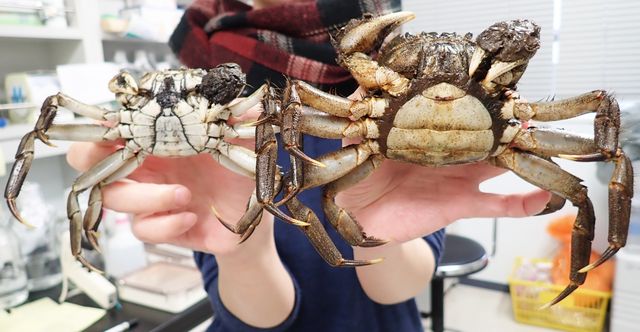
x,y
497,272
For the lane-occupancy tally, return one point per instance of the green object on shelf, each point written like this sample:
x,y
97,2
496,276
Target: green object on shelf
x,y
19,19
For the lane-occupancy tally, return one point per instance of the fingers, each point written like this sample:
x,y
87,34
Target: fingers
x,y
485,171
163,228
145,198
516,205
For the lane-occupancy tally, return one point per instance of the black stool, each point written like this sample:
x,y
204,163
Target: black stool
x,y
462,257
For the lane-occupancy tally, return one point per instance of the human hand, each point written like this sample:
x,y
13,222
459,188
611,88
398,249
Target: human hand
x,y
400,202
171,198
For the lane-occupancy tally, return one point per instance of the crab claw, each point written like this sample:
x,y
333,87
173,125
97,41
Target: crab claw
x,y
367,34
499,68
503,51
123,83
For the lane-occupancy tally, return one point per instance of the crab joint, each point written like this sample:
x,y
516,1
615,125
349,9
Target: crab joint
x,y
391,81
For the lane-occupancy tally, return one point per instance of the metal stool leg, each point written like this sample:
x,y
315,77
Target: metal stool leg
x,y
437,305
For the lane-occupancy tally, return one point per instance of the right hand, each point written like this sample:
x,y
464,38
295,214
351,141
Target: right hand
x,y
171,198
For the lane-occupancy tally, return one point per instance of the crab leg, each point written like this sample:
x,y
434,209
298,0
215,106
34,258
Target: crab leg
x,y
290,122
620,194
607,122
25,154
553,142
549,142
116,166
551,177
241,161
266,174
249,220
338,164
565,108
296,119
342,221
556,202
235,158
239,131
335,105
24,158
93,214
604,146
320,239
60,99
345,167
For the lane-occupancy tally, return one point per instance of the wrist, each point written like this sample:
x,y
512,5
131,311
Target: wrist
x,y
258,251
405,271
262,304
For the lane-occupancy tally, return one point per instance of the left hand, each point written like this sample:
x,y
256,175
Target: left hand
x,y
400,201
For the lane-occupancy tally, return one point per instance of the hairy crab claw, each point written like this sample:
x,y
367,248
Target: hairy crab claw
x,y
358,36
503,52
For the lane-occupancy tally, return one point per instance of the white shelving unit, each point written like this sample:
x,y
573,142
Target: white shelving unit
x,y
34,48
42,33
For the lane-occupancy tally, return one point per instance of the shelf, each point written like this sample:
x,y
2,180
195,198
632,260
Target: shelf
x,y
11,135
39,32
106,38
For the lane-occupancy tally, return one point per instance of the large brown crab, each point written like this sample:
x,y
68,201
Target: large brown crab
x,y
435,100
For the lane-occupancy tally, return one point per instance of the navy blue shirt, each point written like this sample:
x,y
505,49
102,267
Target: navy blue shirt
x,y
328,299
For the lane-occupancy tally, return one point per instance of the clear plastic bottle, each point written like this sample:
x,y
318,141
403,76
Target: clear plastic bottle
x,y
38,244
123,252
13,275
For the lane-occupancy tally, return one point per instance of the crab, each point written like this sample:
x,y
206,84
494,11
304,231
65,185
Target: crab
x,y
436,100
170,113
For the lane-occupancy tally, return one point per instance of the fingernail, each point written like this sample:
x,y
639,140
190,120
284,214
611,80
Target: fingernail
x,y
182,196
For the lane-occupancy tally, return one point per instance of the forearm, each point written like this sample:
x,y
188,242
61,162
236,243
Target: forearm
x,y
406,270
254,285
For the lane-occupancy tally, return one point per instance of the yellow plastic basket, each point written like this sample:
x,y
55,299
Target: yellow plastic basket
x,y
582,311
